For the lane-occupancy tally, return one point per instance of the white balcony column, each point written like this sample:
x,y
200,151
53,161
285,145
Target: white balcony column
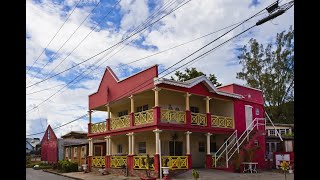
x,y
157,132
208,142
188,141
109,113
89,114
107,144
132,144
207,99
156,96
90,146
187,95
110,145
129,143
132,103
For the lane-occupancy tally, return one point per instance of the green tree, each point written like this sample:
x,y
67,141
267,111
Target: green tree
x,y
271,69
193,73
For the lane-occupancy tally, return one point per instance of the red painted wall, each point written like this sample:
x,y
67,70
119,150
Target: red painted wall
x,y
109,89
49,147
239,114
256,96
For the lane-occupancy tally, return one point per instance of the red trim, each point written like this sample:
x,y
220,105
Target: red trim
x,y
108,124
156,115
156,162
107,161
177,127
208,161
209,120
130,162
89,128
89,162
189,161
188,119
131,119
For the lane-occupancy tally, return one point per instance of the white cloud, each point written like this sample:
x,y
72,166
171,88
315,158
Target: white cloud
x,y
195,19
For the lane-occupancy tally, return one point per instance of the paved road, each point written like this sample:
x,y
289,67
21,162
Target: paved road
x,y
208,174
40,175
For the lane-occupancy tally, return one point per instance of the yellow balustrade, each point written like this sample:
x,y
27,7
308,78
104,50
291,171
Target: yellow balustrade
x,y
222,122
98,161
213,161
198,119
173,116
98,127
176,162
140,162
118,161
143,117
120,122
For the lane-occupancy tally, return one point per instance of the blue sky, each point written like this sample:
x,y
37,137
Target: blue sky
x,y
198,17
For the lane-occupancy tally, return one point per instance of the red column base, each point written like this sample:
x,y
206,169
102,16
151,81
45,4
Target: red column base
x,y
89,163
130,162
156,164
107,163
208,161
189,161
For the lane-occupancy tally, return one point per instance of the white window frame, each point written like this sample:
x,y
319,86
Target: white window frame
x,y
145,148
271,134
75,152
83,152
119,147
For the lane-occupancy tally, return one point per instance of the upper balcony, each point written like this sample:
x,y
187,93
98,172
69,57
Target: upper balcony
x,y
166,108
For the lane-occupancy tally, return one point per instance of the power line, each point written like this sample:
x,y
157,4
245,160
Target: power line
x,y
200,56
54,35
62,124
45,89
84,38
101,51
207,52
93,64
51,58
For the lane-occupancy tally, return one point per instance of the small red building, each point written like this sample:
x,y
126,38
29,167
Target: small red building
x,y
49,146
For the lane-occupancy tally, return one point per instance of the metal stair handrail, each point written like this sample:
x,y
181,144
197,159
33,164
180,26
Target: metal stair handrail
x,y
277,132
245,134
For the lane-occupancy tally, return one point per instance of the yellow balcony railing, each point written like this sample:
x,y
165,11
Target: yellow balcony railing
x,y
143,117
213,161
118,161
140,162
98,161
222,122
175,162
198,119
98,127
173,116
120,122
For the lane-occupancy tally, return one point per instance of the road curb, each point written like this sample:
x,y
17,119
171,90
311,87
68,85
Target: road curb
x,y
44,170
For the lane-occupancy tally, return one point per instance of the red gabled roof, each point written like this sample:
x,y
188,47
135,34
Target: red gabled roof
x,y
111,88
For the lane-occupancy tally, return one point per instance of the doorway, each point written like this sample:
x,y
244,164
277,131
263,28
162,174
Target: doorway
x,y
175,148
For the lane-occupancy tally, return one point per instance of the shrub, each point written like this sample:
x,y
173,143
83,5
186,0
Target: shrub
x,y
67,166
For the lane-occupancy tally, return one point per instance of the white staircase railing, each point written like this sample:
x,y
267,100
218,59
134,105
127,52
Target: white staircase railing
x,y
245,135
237,141
232,138
276,130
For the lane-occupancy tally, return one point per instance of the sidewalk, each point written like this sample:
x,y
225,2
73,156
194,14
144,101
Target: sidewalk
x,y
92,176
